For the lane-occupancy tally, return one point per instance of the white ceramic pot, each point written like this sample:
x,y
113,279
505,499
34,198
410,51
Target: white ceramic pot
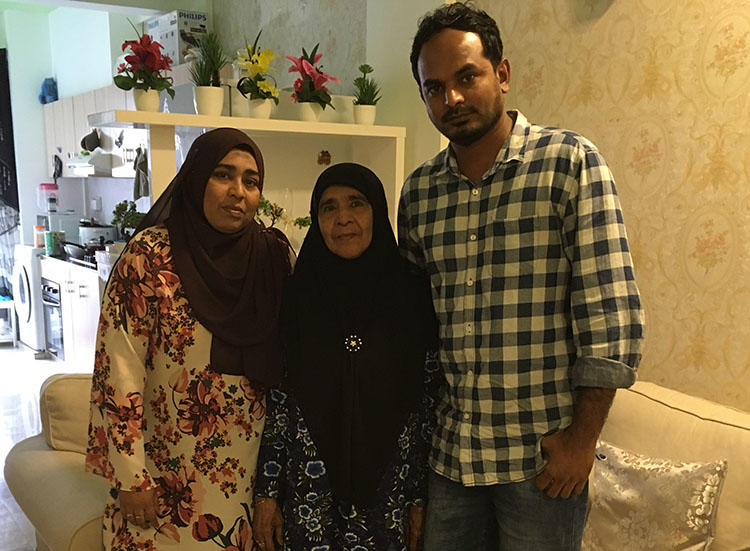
x,y
240,106
364,114
209,100
260,108
309,111
146,100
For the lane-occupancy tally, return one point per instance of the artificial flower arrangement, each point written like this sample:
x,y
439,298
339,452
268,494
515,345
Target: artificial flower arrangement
x,y
367,89
144,66
310,87
257,63
207,61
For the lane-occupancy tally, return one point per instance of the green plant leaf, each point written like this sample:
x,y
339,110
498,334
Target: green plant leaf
x,y
123,82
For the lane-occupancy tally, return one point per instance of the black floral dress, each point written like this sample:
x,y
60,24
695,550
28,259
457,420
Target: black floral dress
x,y
291,471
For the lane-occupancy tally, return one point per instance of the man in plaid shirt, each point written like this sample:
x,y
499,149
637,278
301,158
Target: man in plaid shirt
x,y
520,230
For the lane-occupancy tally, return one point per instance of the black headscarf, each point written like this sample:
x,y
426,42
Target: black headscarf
x,y
355,335
233,281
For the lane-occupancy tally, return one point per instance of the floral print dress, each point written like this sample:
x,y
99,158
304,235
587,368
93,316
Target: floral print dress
x,y
291,471
162,418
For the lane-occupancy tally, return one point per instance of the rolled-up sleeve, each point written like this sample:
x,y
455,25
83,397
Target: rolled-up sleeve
x,y
606,310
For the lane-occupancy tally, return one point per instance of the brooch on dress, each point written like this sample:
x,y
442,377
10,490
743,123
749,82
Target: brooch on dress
x,y
353,343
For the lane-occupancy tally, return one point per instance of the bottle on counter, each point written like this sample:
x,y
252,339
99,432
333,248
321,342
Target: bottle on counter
x,y
39,237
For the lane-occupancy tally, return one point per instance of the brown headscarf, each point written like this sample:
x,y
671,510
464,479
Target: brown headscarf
x,y
233,282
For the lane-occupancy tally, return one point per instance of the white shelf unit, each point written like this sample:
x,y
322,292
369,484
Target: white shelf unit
x,y
290,150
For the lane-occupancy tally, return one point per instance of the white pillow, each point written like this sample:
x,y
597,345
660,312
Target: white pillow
x,y
641,503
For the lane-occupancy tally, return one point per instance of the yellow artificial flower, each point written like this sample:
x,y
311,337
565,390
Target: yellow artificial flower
x,y
261,62
269,88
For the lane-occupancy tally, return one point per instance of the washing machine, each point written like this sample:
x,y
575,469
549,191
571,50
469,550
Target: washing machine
x,y
27,295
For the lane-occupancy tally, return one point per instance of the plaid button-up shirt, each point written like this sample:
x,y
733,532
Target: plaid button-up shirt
x,y
534,290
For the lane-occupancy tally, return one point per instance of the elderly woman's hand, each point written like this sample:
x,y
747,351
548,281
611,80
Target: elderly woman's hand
x,y
414,528
267,524
139,508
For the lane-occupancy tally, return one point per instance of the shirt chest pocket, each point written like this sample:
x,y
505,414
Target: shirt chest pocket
x,y
525,241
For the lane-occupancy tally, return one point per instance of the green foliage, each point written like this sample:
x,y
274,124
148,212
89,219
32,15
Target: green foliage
x,y
125,215
275,213
302,222
210,59
367,89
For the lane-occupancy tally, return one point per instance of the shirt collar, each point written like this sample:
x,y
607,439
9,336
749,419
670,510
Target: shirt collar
x,y
513,149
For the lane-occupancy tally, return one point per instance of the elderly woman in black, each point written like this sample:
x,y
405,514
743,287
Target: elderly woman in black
x,y
188,338
343,455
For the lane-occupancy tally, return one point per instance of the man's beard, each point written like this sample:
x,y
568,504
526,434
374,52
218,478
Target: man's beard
x,y
468,135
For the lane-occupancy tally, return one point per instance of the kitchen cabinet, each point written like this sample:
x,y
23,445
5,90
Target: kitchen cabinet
x,y
66,122
294,152
80,299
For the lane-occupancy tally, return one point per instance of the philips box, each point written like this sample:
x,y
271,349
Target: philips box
x,y
178,31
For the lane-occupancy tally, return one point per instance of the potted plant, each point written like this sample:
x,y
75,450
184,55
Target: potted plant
x,y
257,85
208,59
269,211
126,218
310,91
144,72
366,96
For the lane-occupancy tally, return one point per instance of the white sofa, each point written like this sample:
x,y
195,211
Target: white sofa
x,y
46,473
651,420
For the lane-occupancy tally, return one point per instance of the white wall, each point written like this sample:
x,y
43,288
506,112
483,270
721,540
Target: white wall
x,y
80,50
290,25
29,63
3,42
391,25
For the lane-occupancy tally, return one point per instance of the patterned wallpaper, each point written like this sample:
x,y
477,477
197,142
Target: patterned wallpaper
x,y
663,88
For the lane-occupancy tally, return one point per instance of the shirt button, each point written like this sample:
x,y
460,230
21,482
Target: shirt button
x,y
468,329
467,416
475,191
473,237
470,282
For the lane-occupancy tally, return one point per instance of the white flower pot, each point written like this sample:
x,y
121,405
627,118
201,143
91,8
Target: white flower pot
x,y
364,114
209,100
240,106
260,108
309,111
146,100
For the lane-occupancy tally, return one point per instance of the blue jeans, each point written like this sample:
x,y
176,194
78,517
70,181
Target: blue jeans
x,y
501,517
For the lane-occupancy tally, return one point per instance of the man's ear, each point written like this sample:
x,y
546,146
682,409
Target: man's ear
x,y
502,73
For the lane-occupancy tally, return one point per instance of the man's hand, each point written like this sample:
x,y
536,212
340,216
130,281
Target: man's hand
x,y
570,452
414,528
267,524
140,508
569,463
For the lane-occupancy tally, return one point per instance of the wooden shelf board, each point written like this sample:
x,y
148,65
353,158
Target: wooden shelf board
x,y
143,119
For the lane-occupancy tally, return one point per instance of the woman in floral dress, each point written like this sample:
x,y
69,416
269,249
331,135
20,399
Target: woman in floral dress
x,y
343,457
187,340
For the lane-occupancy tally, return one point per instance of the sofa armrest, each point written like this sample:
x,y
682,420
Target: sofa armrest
x,y
63,502
64,407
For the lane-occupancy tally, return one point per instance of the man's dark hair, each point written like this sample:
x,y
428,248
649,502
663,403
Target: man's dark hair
x,y
463,17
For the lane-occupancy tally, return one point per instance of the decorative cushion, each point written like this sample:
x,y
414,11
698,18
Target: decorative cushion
x,y
640,503
64,407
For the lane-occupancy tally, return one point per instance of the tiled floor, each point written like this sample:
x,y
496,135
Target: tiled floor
x,y
19,419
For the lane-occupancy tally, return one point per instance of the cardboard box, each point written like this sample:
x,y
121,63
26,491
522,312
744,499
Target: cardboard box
x,y
178,31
